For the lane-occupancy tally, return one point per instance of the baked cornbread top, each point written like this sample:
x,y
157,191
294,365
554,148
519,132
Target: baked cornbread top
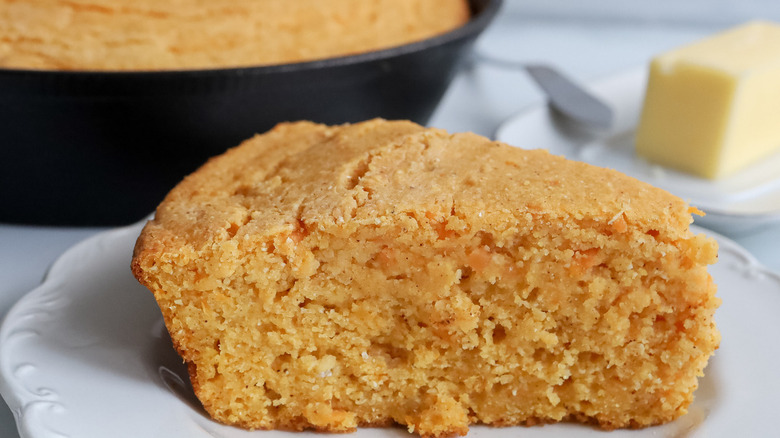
x,y
308,175
186,34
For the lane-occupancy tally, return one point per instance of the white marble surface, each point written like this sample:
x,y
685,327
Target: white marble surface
x,y
588,40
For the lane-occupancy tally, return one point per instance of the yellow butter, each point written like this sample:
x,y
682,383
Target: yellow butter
x,y
713,108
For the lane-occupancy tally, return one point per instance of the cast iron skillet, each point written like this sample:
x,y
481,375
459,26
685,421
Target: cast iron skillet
x,y
103,148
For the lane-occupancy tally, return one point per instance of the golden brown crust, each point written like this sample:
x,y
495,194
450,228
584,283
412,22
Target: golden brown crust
x,y
156,34
327,277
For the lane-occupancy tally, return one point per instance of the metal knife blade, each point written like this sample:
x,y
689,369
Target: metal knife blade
x,y
570,99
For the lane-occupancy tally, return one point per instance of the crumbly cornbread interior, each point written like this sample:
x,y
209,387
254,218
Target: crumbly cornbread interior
x,y
331,277
186,34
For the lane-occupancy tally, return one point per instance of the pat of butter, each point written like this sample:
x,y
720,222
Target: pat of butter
x,y
713,108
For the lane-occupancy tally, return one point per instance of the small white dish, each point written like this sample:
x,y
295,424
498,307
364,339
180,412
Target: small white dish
x,y
86,355
744,201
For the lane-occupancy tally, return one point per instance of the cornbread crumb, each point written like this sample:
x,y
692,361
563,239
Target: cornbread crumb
x,y
333,277
187,34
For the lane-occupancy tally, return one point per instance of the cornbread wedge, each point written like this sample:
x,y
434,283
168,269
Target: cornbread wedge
x,y
333,277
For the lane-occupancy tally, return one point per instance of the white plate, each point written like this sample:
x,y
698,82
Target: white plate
x,y
746,200
85,355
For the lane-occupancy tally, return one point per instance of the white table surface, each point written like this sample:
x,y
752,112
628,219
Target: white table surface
x,y
588,43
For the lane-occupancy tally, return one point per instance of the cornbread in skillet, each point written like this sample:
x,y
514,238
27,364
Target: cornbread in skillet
x,y
332,277
186,34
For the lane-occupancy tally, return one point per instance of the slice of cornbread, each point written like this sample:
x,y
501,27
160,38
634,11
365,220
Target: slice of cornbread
x,y
331,277
711,107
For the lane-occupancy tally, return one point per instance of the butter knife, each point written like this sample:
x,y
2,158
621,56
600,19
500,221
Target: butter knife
x,y
563,94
